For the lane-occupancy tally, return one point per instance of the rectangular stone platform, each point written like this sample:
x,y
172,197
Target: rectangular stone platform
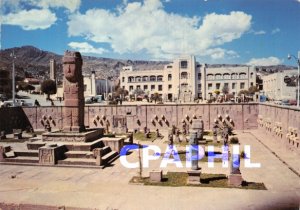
x,y
87,136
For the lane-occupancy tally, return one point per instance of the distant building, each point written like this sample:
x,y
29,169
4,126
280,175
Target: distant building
x,y
52,69
185,80
234,77
275,88
95,86
5,82
32,81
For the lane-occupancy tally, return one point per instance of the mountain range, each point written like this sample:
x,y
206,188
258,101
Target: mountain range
x,y
33,62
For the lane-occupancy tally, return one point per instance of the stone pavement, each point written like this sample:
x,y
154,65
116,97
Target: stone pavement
x,y
108,188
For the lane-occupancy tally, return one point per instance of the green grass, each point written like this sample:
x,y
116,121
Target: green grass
x,y
179,179
140,136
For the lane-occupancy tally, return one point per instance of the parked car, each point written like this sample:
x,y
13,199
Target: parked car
x,y
89,100
18,102
3,97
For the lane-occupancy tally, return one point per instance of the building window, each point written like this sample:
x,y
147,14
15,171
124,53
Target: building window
x,y
183,64
209,86
169,67
199,76
152,87
233,86
210,77
169,77
145,78
130,79
251,75
251,84
85,86
138,87
169,87
184,75
242,85
160,78
152,78
160,87
242,75
130,88
226,76
218,76
226,85
199,86
218,86
145,87
137,79
123,79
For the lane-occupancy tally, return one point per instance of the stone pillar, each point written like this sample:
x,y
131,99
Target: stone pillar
x,y
215,130
194,149
73,92
2,152
235,178
98,153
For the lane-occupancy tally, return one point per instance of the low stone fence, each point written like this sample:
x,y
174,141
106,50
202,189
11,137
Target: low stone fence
x,y
154,117
282,123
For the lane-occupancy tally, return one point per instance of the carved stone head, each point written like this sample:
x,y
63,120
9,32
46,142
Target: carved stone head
x,y
72,63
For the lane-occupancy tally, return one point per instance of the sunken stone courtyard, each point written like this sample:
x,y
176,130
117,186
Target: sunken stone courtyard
x,y
164,156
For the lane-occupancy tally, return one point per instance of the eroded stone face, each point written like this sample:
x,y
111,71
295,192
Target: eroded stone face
x,y
73,120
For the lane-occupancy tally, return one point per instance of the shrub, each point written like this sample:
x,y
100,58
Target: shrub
x,y
234,140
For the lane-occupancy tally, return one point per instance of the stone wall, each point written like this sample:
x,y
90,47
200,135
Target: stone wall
x,y
152,116
282,123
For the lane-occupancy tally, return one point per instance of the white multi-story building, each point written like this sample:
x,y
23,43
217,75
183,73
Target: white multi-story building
x,y
185,79
234,77
94,86
275,88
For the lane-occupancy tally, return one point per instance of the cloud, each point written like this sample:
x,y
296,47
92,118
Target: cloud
x,y
146,27
261,32
85,47
39,16
71,5
270,61
219,53
276,30
31,19
18,5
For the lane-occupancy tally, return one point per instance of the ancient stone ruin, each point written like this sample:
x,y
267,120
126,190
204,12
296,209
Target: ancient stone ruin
x,y
73,92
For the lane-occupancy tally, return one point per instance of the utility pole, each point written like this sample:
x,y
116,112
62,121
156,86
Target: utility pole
x,y
13,78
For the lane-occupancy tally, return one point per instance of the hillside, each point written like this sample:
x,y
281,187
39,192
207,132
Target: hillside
x,y
36,62
32,61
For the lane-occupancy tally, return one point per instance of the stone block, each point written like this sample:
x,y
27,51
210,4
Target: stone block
x,y
235,180
18,135
194,176
155,175
2,155
50,154
115,144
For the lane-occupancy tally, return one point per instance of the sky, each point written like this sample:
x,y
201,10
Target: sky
x,y
253,32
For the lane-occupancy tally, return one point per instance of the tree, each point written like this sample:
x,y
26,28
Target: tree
x,y
155,97
245,92
217,92
25,86
138,92
225,89
119,91
252,90
48,87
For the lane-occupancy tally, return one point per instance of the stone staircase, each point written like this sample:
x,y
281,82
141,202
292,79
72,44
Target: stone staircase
x,y
79,154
